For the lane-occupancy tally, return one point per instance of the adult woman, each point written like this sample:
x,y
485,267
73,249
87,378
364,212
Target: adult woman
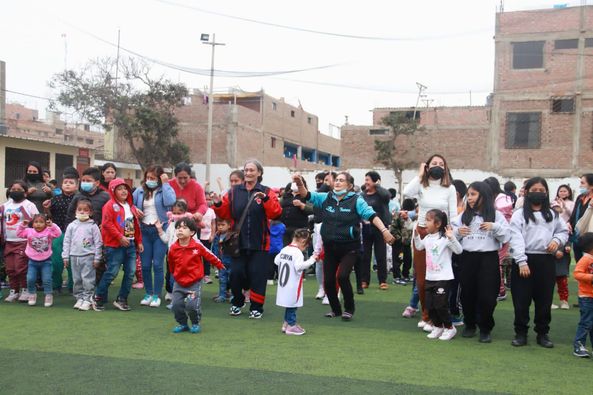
x,y
434,190
580,205
37,190
153,200
189,190
342,211
295,213
378,198
251,266
108,174
564,206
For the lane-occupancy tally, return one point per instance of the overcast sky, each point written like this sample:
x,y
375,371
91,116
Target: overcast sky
x,y
445,45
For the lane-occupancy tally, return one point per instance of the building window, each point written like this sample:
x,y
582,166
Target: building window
x,y
59,131
274,106
563,104
523,130
407,114
89,141
378,132
336,161
309,120
528,55
290,150
572,43
273,142
292,113
589,42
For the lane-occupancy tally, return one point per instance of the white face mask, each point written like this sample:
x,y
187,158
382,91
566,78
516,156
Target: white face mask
x,y
82,217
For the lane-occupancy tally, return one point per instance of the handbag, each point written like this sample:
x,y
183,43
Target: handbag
x,y
231,245
585,224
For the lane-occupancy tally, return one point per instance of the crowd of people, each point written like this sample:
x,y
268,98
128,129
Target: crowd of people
x,y
467,244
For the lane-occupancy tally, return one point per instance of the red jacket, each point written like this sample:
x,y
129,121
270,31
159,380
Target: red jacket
x,y
185,262
112,225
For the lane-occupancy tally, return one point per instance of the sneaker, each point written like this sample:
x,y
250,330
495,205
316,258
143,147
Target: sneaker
x,y
502,297
401,281
32,299
564,305
121,304
554,306
138,285
255,315
168,297
78,304
320,294
580,351
422,324
284,326
219,299
448,333
270,282
435,332
383,286
409,312
331,314
24,296
207,280
180,328
428,328
85,306
49,300
155,302
98,305
457,320
346,316
325,300
12,296
195,328
169,306
235,311
295,330
146,300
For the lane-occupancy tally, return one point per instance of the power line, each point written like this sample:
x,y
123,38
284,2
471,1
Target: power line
x,y
27,94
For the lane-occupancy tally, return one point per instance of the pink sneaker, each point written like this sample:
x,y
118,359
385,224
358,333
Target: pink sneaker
x,y
295,330
138,285
409,312
284,326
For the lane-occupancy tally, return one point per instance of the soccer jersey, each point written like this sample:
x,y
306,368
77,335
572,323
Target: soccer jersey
x,y
291,267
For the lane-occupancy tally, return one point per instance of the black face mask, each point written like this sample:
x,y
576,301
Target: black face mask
x,y
33,177
436,173
17,196
537,197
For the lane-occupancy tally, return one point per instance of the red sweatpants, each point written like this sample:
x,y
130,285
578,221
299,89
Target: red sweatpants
x,y
16,263
562,284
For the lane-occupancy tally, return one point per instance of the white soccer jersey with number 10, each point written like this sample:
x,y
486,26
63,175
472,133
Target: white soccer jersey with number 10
x,y
291,266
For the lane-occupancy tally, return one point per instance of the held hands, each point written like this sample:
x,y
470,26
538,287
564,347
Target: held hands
x,y
465,231
315,257
158,225
449,232
552,247
388,237
524,271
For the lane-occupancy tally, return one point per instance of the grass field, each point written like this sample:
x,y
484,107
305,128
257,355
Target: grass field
x,y
59,350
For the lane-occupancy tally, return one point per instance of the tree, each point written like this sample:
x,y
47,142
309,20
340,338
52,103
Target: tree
x,y
398,152
140,107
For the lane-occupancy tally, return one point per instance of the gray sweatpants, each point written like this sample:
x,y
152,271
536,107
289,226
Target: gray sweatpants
x,y
83,276
182,308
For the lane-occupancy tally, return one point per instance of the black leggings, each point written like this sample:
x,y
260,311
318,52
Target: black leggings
x,y
337,266
374,238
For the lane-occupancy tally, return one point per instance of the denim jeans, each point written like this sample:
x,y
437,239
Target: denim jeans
x,y
585,326
33,272
415,298
153,260
223,279
115,257
290,315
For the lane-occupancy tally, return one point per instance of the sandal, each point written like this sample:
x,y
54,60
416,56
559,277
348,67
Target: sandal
x,y
330,315
346,316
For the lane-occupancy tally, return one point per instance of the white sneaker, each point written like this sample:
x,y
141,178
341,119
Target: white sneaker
x,y
168,297
422,324
85,306
78,304
564,305
320,294
554,307
436,332
32,299
270,282
24,296
146,300
448,333
12,296
325,300
428,328
49,300
155,302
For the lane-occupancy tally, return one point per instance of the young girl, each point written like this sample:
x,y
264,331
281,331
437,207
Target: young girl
x,y
16,210
563,205
82,252
482,230
185,261
39,240
291,272
537,232
440,244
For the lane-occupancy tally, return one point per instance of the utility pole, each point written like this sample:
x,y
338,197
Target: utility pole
x,y
428,102
421,88
65,51
205,40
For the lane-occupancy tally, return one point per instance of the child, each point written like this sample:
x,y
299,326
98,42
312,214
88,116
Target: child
x,y
185,261
291,272
440,244
82,253
483,231
277,231
401,228
222,228
583,273
206,237
39,240
121,236
537,232
16,210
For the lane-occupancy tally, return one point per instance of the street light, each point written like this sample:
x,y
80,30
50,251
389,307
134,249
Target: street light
x,y
204,37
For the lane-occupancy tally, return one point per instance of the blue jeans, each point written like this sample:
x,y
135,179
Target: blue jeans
x,y
415,298
153,260
115,257
585,326
290,315
33,272
224,280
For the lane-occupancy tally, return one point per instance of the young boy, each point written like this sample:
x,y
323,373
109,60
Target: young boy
x,y
583,273
121,237
401,228
185,262
222,228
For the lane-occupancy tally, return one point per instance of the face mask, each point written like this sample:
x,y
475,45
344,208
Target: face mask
x,y
583,190
151,184
17,196
436,173
82,217
294,188
537,197
412,215
86,186
33,177
340,193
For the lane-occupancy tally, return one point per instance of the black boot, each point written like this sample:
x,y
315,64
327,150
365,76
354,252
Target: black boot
x,y
544,341
519,340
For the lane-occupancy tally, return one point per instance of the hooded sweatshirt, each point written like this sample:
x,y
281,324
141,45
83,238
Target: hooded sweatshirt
x,y
114,225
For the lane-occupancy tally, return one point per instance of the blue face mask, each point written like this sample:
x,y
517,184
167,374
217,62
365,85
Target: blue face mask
x,y
412,215
340,193
152,184
86,186
583,190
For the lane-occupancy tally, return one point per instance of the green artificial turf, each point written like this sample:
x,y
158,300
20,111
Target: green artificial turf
x,y
59,350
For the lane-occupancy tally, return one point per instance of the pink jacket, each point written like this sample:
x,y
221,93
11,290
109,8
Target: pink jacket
x,y
504,204
38,243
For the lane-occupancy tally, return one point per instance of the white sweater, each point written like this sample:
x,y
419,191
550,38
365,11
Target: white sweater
x,y
434,196
483,240
439,251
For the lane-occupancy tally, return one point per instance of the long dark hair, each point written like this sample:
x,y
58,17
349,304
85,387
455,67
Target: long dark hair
x,y
546,211
158,172
567,187
105,167
494,186
484,207
440,217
